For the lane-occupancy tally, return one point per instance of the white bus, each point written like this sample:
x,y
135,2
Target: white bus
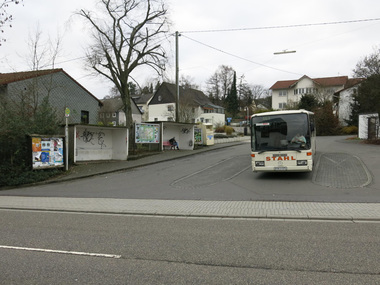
x,y
283,141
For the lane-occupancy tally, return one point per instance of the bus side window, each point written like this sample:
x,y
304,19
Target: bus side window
x,y
312,127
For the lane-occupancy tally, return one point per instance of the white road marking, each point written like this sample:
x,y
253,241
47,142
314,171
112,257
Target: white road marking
x,y
61,251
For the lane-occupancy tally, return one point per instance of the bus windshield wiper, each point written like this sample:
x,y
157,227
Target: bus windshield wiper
x,y
272,149
296,149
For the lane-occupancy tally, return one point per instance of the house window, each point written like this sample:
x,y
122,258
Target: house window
x,y
84,117
113,115
170,119
170,108
283,93
108,115
101,115
281,105
301,90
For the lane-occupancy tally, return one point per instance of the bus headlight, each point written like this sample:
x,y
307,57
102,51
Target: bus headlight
x,y
259,163
301,162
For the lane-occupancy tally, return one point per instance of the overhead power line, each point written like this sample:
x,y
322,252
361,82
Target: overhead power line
x,y
239,57
282,27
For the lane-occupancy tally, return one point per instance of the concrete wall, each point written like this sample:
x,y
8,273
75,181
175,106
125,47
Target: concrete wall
x,y
183,133
99,143
363,125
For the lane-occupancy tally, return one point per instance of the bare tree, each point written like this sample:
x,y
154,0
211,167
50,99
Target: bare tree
x,y
128,35
42,52
369,65
220,83
5,17
258,91
213,88
186,110
187,82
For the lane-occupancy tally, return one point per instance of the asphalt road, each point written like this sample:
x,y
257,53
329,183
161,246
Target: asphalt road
x,y
157,250
62,247
344,172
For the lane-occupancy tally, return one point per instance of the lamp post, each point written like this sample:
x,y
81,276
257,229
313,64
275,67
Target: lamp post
x,y
284,52
177,77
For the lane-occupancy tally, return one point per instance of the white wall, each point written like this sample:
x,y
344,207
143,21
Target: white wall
x,y
215,119
276,99
345,100
159,112
100,143
363,125
183,134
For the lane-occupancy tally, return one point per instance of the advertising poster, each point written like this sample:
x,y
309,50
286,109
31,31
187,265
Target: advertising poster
x,y
198,135
36,144
47,152
147,133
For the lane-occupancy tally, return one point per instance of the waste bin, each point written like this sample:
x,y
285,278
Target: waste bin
x,y
208,134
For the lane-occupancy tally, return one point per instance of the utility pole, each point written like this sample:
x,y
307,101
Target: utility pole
x,y
177,77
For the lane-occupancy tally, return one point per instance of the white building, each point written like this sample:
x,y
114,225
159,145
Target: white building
x,y
289,92
346,99
112,112
194,106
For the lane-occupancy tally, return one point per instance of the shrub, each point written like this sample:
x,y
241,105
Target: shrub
x,y
24,175
350,130
220,136
327,123
219,129
17,120
228,130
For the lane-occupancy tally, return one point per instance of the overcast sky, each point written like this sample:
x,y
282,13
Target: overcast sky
x,y
259,29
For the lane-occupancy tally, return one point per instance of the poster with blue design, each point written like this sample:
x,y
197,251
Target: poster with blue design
x,y
47,152
147,133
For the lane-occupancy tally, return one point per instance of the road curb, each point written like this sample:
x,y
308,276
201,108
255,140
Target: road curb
x,y
310,211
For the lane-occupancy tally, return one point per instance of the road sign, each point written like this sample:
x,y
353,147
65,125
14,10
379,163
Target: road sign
x,y
67,112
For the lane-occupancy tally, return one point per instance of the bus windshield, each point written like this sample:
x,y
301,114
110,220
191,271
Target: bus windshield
x,y
280,132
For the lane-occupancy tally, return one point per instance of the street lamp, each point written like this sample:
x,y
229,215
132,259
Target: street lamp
x,y
284,52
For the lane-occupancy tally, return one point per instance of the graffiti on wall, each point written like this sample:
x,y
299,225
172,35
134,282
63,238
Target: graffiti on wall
x,y
94,138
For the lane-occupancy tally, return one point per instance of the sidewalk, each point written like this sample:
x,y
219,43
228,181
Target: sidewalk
x,y
186,208
82,170
192,209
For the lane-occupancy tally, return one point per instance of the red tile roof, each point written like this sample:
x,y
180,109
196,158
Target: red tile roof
x,y
6,78
331,81
283,84
324,81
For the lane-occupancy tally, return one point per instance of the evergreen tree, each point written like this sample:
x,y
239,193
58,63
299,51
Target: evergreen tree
x,y
367,99
327,123
308,102
232,102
